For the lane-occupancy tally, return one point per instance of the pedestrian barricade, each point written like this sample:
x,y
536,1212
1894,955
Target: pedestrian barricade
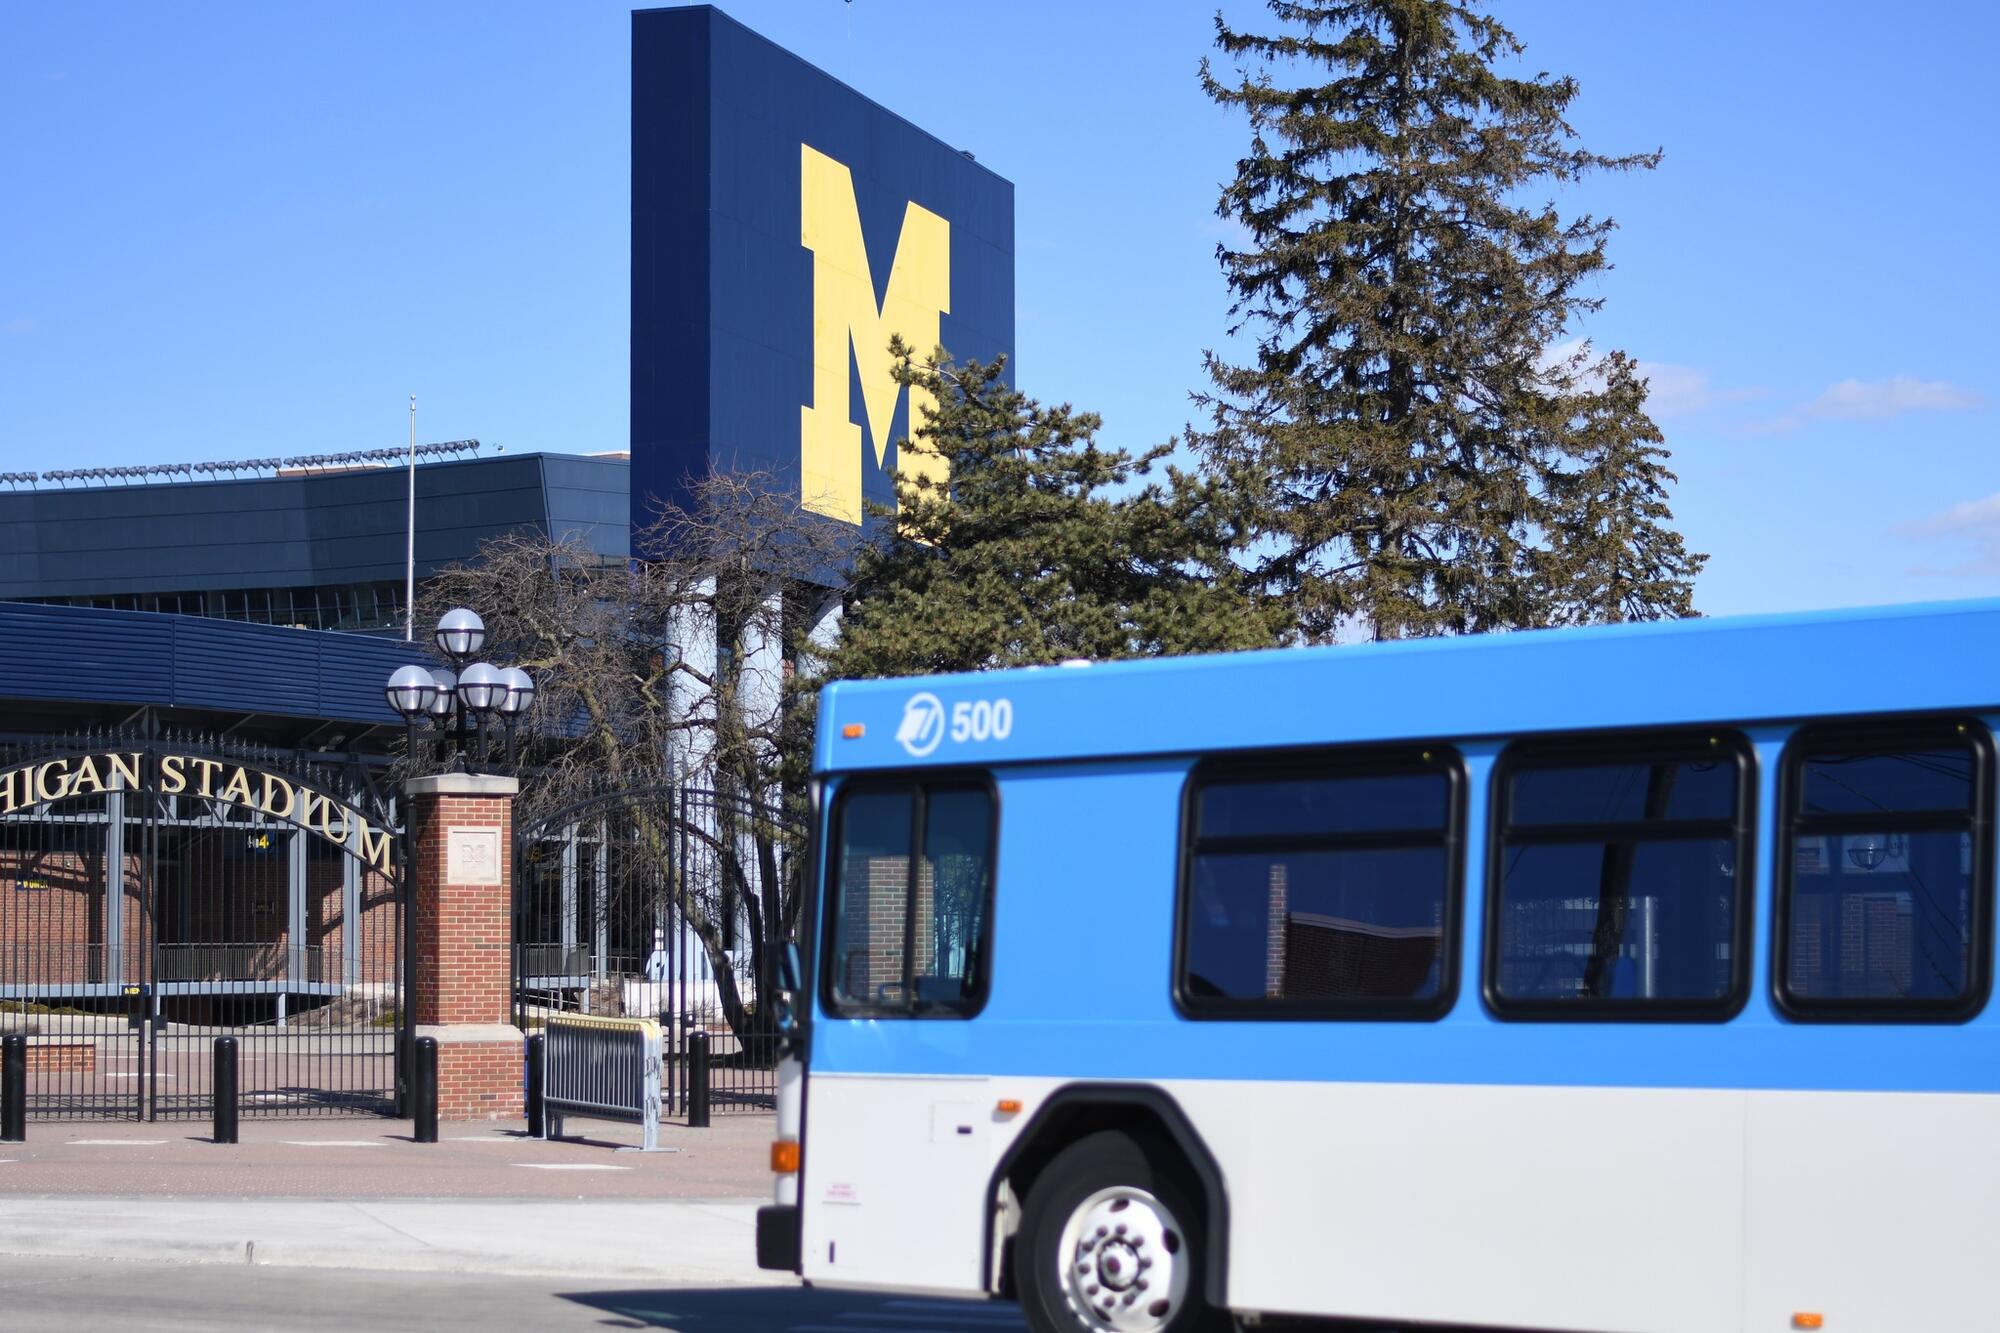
x,y
608,1068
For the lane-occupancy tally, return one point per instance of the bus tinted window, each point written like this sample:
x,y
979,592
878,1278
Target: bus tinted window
x,y
951,894
1616,886
1347,804
1882,911
1620,793
1836,782
904,934
1319,893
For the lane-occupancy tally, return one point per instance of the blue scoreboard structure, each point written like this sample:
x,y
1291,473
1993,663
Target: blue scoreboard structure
x,y
783,227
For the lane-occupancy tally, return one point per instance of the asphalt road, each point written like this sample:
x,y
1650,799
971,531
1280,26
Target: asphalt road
x,y
41,1295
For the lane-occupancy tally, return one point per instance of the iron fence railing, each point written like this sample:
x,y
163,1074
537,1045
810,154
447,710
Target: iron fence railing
x,y
660,903
139,922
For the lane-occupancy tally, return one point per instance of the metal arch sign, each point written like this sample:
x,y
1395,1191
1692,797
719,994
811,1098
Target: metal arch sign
x,y
203,776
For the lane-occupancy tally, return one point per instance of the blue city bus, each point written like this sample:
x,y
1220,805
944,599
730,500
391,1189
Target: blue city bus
x,y
1624,978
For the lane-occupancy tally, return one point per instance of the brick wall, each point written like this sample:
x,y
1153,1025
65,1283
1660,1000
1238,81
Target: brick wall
x,y
62,1057
464,932
1275,933
477,1081
871,946
52,915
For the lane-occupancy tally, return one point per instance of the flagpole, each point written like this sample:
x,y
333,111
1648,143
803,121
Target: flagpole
x,y
410,552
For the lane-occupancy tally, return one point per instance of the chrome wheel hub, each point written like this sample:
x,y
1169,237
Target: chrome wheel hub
x,y
1123,1259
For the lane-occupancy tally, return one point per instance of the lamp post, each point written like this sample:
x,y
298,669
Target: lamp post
x,y
466,692
481,687
520,694
442,704
411,691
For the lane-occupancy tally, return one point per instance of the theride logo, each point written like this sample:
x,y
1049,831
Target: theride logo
x,y
923,725
845,316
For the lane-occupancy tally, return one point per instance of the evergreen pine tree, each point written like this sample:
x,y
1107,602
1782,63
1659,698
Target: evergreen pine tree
x,y
1416,456
1042,546
1610,554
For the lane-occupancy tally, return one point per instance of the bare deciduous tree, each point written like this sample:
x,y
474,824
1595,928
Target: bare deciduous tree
x,y
673,670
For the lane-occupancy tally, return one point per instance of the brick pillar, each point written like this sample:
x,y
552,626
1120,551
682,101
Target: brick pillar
x,y
1277,922
463,850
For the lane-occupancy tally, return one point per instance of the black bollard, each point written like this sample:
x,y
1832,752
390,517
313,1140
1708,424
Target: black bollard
x,y
698,1081
537,1122
424,1090
14,1090
225,1090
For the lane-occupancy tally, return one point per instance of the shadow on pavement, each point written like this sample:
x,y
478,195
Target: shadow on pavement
x,y
791,1310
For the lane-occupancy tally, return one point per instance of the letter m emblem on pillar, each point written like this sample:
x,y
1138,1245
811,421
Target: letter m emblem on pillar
x,y
846,321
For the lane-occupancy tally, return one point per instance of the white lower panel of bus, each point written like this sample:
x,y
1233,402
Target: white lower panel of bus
x,y
1610,1209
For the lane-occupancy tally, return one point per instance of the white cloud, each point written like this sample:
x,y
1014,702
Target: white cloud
x,y
1676,390
1971,516
1672,390
1862,400
1972,527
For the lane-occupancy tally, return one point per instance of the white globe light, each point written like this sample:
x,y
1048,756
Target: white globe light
x,y
410,692
481,687
446,694
460,633
520,692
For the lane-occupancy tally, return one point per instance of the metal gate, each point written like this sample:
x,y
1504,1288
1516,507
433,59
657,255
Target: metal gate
x,y
156,895
662,903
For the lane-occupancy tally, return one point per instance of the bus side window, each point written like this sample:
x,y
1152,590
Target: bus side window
x,y
906,934
1885,873
1320,888
1619,880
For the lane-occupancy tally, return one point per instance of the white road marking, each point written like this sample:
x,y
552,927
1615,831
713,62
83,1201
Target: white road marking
x,y
571,1166
333,1143
116,1143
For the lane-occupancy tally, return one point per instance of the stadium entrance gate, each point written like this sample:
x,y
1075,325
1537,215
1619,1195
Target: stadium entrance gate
x,y
156,895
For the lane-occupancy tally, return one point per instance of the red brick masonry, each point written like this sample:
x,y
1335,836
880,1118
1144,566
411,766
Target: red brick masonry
x,y
479,1070
61,1057
459,994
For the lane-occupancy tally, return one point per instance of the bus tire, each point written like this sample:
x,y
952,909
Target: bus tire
x,y
1108,1243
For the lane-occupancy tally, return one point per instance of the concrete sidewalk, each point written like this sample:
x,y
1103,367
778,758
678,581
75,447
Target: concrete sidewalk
x,y
371,1158
679,1241
359,1193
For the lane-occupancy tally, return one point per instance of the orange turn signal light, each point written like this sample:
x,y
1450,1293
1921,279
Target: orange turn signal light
x,y
853,731
785,1157
1808,1319
1007,1106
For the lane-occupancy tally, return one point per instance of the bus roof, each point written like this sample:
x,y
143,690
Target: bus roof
x,y
1738,669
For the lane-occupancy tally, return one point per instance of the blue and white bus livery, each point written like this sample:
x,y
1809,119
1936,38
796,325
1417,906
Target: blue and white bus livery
x,y
1622,979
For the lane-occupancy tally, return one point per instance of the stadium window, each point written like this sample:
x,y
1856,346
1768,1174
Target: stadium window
x,y
906,935
1619,880
1322,888
1885,874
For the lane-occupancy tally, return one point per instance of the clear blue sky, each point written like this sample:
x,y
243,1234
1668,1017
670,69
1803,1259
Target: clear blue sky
x,y
237,229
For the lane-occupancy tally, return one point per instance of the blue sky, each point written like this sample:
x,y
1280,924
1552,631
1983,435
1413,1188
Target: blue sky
x,y
236,230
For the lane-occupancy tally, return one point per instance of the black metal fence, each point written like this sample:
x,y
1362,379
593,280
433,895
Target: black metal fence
x,y
158,894
661,903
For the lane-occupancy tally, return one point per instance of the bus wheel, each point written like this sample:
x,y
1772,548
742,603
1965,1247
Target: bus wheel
x,y
1108,1244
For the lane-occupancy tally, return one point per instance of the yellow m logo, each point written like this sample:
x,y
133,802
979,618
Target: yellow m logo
x,y
845,316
